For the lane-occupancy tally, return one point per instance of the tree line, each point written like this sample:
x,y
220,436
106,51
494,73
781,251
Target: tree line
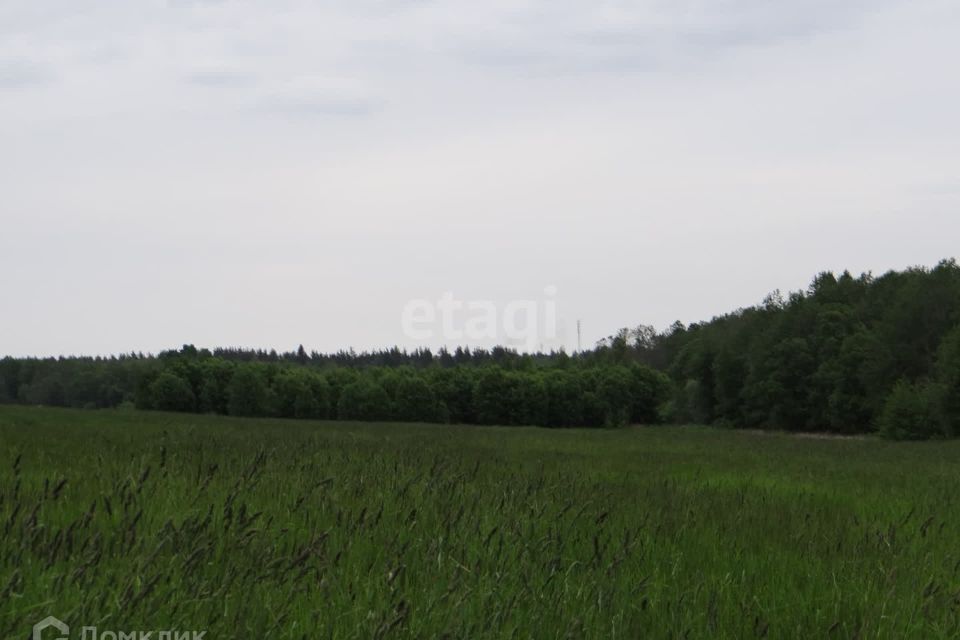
x,y
847,355
566,393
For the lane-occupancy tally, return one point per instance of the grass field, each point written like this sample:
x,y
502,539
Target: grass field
x,y
267,528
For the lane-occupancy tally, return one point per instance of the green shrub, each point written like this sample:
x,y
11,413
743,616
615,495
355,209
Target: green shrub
x,y
170,392
649,390
613,390
911,412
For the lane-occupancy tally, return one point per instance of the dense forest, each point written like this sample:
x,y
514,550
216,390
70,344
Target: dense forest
x,y
848,355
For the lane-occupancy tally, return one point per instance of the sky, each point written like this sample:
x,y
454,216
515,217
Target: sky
x,y
269,174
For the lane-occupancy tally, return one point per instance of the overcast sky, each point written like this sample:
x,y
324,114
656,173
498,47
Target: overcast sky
x,y
266,174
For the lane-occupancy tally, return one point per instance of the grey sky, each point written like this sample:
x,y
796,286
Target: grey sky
x,y
274,173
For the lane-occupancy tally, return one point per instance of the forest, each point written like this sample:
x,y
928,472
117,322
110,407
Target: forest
x,y
848,355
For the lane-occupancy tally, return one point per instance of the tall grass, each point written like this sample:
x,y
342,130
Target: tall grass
x,y
267,528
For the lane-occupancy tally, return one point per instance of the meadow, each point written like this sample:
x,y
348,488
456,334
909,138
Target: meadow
x,y
271,528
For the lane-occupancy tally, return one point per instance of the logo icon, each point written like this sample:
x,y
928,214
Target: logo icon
x,y
50,621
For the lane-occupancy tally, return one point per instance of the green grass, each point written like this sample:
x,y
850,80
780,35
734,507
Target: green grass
x,y
269,528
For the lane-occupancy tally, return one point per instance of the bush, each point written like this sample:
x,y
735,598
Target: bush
x,y
170,392
594,410
911,412
649,390
613,390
